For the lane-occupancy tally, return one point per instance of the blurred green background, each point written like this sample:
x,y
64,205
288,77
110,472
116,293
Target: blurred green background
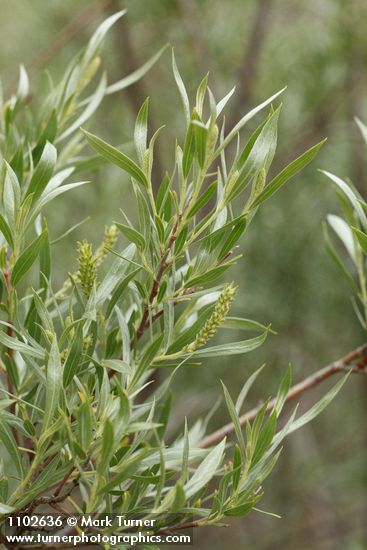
x,y
318,48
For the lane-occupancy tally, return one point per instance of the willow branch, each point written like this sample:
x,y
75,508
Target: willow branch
x,y
355,362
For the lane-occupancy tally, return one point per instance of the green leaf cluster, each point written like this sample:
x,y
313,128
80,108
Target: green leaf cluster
x,y
76,413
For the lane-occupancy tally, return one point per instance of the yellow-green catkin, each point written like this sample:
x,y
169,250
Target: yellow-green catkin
x,y
215,320
257,188
109,241
147,164
231,182
88,74
87,342
87,272
210,144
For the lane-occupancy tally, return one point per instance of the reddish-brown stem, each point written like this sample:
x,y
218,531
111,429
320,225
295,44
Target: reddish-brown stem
x,y
153,293
189,525
63,482
355,361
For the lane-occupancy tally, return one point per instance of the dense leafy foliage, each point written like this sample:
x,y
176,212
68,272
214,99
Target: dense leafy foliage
x,y
78,414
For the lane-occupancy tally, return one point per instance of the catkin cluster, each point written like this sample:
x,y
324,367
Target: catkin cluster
x,y
87,272
215,320
109,241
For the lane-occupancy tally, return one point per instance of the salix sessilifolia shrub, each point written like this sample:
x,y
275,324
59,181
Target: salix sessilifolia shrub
x,y
77,424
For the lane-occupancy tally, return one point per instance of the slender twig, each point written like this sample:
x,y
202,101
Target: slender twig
x,y
63,481
189,525
161,269
355,362
50,500
185,292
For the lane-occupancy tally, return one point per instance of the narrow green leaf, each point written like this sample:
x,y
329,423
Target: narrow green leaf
x,y
115,156
362,127
200,94
135,75
233,348
205,471
6,437
236,422
5,509
125,335
246,388
179,499
164,415
181,89
107,446
238,323
16,345
53,384
119,291
118,270
203,199
6,231
362,238
240,511
223,102
132,235
260,156
23,85
188,150
246,118
288,172
116,365
319,406
45,258
85,427
209,276
265,438
283,391
10,194
141,130
239,227
349,193
48,134
27,259
98,36
17,162
338,262
43,171
149,355
44,315
91,107
237,464
344,233
74,356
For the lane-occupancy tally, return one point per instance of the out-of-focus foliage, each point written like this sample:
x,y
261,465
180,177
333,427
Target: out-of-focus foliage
x,y
319,50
